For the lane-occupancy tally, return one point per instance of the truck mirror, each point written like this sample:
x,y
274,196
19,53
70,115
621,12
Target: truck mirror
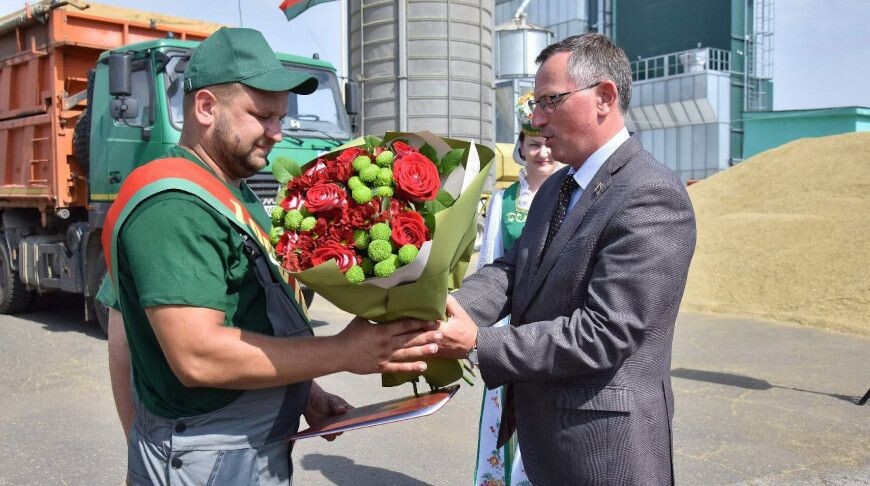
x,y
124,108
181,65
352,101
120,74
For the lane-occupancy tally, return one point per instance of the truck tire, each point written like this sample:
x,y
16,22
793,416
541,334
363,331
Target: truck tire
x,y
14,296
82,131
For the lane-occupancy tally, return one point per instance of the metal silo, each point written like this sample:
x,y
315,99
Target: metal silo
x,y
517,44
424,65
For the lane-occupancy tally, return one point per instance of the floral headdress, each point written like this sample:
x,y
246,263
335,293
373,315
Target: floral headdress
x,y
524,115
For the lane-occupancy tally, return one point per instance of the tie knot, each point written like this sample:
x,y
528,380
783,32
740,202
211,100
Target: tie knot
x,y
569,184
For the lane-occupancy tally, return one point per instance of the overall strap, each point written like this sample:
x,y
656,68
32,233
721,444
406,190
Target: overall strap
x,y
179,174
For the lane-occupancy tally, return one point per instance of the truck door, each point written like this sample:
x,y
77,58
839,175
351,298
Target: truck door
x,y
121,143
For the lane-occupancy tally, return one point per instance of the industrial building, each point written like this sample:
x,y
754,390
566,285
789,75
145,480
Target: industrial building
x,y
698,67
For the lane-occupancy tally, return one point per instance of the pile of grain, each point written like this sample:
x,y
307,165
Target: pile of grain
x,y
785,235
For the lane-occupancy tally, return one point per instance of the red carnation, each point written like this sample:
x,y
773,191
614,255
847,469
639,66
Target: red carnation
x,y
409,229
344,257
416,177
323,197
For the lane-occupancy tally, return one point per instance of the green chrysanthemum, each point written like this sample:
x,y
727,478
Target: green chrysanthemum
x,y
361,162
380,231
293,219
355,274
277,215
361,195
275,235
355,182
383,191
380,250
407,254
384,177
361,239
385,158
385,268
308,223
369,173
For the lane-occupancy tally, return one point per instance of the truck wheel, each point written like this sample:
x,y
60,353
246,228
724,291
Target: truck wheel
x,y
14,296
82,131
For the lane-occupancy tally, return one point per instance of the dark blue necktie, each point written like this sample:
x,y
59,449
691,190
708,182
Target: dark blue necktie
x,y
569,184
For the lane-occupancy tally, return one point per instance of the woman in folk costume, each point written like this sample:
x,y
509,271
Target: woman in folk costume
x,y
505,218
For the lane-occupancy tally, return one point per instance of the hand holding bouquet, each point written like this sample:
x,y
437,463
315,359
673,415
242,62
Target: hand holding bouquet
x,y
383,228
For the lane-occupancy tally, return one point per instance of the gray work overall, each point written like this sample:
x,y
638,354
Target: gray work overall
x,y
243,443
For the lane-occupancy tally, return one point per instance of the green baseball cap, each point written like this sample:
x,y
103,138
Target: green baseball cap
x,y
237,55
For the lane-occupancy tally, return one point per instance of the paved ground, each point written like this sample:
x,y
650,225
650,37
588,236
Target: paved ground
x,y
757,403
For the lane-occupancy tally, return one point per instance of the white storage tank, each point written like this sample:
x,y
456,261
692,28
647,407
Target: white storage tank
x,y
424,65
517,44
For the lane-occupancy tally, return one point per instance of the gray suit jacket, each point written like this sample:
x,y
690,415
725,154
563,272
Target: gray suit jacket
x,y
588,353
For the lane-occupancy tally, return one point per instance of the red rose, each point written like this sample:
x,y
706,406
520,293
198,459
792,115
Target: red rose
x,y
292,201
416,177
347,155
402,149
409,229
314,169
343,256
323,197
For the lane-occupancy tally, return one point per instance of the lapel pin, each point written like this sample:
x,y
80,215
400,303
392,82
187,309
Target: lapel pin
x,y
599,188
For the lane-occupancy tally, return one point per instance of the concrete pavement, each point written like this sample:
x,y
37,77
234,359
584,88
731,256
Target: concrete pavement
x,y
757,403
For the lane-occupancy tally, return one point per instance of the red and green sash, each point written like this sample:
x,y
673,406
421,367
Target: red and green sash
x,y
178,174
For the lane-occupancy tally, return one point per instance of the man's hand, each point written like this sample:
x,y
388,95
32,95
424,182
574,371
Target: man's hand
x,y
387,348
459,332
322,405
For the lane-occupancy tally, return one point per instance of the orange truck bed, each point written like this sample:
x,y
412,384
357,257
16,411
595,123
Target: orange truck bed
x,y
45,56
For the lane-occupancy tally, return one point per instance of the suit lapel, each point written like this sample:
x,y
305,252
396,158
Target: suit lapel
x,y
530,254
537,273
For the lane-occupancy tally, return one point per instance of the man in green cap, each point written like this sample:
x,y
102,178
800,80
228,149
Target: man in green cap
x,y
222,358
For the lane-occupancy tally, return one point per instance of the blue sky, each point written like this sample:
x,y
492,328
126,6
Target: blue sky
x,y
821,56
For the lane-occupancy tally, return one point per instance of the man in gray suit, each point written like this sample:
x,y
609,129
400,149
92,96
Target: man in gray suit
x,y
592,286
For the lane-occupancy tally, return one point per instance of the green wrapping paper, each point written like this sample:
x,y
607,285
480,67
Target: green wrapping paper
x,y
424,299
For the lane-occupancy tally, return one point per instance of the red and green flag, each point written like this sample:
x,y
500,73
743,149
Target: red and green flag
x,y
292,8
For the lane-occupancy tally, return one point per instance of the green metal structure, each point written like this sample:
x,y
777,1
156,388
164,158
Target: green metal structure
x,y
766,130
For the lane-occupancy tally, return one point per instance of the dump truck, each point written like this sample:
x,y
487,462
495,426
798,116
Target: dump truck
x,y
88,93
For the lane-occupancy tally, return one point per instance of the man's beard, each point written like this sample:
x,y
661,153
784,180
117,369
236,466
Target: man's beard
x,y
239,159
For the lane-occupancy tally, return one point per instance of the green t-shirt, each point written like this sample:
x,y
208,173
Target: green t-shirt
x,y
176,249
106,293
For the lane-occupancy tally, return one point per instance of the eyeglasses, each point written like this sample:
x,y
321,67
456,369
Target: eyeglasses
x,y
549,103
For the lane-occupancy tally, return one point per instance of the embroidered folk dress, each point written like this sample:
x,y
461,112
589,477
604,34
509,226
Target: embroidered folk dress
x,y
505,219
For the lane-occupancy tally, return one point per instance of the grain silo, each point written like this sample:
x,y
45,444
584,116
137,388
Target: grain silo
x,y
517,44
424,65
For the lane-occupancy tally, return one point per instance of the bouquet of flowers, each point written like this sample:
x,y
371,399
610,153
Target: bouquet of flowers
x,y
383,228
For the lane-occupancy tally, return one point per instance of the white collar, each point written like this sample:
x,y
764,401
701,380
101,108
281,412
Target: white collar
x,y
590,167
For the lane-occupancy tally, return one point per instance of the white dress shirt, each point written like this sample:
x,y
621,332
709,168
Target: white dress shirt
x,y
590,167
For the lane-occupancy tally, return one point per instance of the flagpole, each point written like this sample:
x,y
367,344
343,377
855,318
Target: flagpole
x,y
239,2
342,39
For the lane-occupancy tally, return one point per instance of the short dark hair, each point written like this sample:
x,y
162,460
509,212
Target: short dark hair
x,y
220,91
594,57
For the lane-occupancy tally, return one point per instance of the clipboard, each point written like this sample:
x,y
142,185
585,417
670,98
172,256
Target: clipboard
x,y
382,413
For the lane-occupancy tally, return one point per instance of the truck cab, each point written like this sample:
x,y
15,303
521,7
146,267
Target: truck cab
x,y
120,142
